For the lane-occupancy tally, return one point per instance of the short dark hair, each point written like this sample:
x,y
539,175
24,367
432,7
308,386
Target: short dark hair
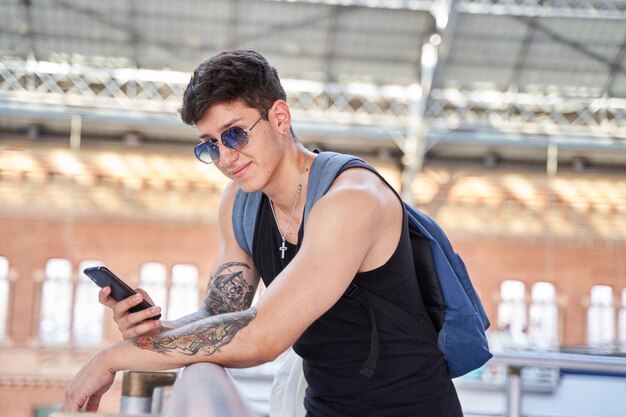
x,y
236,75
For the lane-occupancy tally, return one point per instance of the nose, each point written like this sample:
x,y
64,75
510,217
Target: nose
x,y
227,156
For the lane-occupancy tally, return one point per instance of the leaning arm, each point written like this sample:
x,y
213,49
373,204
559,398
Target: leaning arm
x,y
343,227
225,311
234,280
329,258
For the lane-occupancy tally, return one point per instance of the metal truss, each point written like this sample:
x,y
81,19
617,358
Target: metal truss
x,y
528,114
385,4
592,9
143,98
92,87
44,89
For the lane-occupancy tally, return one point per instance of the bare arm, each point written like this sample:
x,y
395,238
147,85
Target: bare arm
x,y
301,293
347,234
231,286
230,289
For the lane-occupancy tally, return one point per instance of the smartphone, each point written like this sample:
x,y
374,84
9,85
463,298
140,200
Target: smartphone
x,y
103,276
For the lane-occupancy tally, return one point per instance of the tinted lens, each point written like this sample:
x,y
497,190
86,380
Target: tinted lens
x,y
207,152
235,138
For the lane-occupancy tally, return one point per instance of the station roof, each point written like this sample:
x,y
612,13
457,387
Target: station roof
x,y
506,72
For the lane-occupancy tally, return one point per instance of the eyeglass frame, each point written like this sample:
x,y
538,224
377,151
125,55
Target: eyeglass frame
x,y
199,148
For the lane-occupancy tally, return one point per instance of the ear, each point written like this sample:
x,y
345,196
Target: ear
x,y
280,116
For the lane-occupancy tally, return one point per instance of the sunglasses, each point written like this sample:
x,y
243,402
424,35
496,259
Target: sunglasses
x,y
233,138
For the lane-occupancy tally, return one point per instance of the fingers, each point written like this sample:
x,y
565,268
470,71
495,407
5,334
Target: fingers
x,y
88,386
74,399
137,324
131,324
92,404
69,405
121,308
145,328
145,295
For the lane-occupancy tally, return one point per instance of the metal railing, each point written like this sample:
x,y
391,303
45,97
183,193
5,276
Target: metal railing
x,y
205,389
516,361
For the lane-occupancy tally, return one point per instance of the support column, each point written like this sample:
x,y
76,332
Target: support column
x,y
75,132
417,130
514,391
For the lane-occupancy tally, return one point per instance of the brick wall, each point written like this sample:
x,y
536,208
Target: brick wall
x,y
572,268
168,216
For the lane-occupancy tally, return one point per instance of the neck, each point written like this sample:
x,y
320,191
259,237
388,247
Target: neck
x,y
284,184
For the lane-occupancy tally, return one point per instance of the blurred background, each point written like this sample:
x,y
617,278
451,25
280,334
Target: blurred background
x,y
505,120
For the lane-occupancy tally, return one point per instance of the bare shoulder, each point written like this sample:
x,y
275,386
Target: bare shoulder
x,y
361,212
361,184
358,195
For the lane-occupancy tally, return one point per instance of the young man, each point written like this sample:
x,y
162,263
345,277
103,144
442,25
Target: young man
x,y
357,232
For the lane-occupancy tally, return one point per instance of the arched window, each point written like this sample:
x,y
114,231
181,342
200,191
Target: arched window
x,y
152,279
56,303
4,296
512,318
543,317
601,317
87,324
183,292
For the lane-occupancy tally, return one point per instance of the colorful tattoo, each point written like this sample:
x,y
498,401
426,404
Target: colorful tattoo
x,y
228,291
206,336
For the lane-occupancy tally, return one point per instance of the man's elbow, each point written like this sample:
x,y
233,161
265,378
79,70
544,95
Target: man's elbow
x,y
267,348
267,351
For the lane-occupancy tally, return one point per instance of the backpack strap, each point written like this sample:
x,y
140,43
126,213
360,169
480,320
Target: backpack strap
x,y
324,169
451,280
327,166
245,209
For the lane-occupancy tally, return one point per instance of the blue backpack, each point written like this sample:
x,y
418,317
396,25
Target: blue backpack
x,y
450,299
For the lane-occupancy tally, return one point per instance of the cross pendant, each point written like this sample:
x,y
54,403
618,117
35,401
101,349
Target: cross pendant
x,y
282,250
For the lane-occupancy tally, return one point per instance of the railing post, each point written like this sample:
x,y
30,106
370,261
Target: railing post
x,y
514,391
138,387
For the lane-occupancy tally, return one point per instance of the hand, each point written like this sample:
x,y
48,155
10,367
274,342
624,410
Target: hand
x,y
88,386
132,324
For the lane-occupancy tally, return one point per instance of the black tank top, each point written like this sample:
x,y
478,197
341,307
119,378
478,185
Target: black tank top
x,y
411,377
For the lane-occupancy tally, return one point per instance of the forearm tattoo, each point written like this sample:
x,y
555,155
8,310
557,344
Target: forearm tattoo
x,y
228,291
205,337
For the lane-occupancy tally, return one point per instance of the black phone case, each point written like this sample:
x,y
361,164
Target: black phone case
x,y
103,277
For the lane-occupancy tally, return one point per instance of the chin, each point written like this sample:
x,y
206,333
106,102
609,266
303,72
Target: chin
x,y
248,189
249,186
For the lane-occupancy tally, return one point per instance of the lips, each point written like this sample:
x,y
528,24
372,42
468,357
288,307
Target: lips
x,y
239,172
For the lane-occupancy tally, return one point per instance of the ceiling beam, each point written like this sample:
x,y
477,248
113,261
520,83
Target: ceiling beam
x,y
614,66
28,13
615,69
600,10
330,44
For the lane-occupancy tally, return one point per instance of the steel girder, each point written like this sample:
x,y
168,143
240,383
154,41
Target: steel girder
x,y
56,89
593,9
44,91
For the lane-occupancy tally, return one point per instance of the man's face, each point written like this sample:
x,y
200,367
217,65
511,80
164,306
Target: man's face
x,y
251,165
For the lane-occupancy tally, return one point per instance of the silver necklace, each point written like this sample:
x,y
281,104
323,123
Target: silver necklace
x,y
283,248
